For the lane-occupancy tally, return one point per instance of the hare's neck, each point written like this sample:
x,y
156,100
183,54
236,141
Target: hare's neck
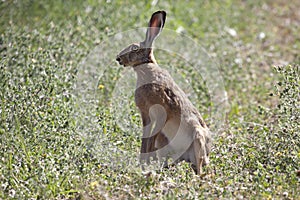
x,y
146,69
147,73
146,60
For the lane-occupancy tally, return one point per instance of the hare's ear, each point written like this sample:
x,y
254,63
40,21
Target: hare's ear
x,y
155,26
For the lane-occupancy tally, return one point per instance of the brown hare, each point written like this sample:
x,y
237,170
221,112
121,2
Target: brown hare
x,y
172,126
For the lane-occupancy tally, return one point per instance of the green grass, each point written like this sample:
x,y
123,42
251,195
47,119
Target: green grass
x,y
56,144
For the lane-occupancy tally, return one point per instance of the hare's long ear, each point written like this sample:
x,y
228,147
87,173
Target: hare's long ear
x,y
155,26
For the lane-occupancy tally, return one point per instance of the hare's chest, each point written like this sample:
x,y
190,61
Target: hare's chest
x,y
150,93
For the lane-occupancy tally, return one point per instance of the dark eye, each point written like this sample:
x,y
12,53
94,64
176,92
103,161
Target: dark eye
x,y
134,48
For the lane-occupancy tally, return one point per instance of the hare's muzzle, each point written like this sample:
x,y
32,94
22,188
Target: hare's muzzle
x,y
119,60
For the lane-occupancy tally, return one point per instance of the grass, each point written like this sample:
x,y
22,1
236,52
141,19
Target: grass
x,y
59,141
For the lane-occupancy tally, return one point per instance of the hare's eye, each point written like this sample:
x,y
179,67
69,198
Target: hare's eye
x,y
134,48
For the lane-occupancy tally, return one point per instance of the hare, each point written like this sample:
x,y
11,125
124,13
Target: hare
x,y
172,126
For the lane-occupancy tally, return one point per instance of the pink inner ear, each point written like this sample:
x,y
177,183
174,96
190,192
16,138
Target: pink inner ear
x,y
156,23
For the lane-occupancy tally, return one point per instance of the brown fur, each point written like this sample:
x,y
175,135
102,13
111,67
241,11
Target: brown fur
x,y
170,120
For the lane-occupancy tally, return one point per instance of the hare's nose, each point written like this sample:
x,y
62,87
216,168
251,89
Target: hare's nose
x,y
118,59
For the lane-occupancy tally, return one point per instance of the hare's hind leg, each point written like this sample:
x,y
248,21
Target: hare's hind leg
x,y
199,146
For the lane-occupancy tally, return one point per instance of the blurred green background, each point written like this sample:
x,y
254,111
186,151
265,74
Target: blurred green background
x,y
42,46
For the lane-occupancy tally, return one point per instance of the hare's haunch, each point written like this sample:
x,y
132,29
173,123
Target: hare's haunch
x,y
172,126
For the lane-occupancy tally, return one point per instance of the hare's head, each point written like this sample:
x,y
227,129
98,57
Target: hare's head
x,y
140,53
